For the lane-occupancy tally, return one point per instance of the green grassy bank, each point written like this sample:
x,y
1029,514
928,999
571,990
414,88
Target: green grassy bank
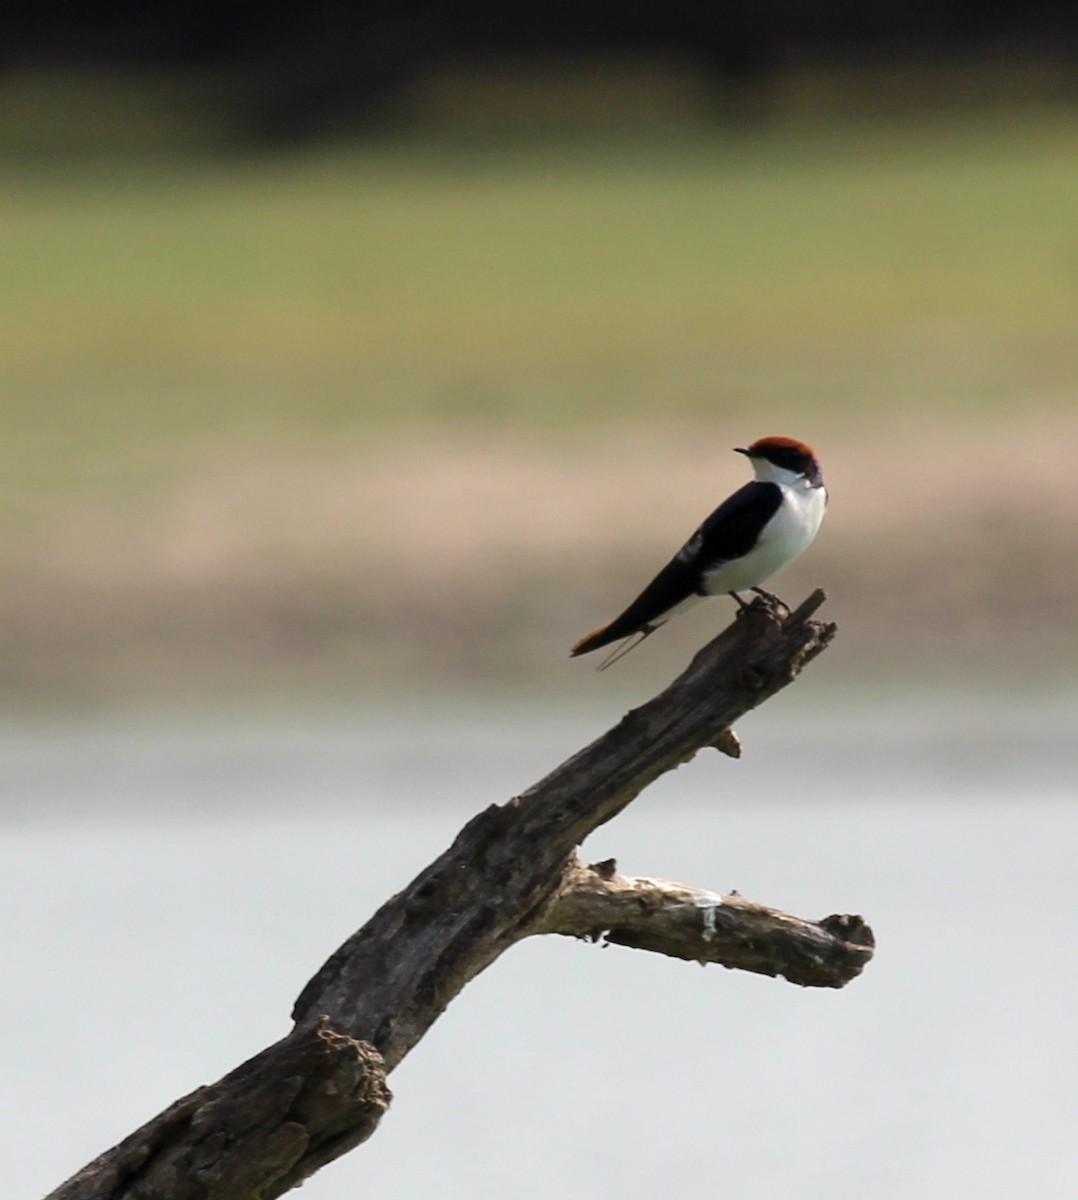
x,y
536,285
165,322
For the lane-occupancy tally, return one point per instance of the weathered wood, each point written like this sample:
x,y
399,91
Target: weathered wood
x,y
390,980
698,925
512,872
260,1131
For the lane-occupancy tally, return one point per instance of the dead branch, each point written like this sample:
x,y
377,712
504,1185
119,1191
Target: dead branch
x,y
511,872
262,1129
698,925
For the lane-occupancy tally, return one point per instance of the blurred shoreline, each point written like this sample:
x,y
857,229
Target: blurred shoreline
x,y
474,562
381,418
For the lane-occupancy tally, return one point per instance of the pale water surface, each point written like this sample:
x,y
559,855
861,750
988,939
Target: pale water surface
x,y
168,892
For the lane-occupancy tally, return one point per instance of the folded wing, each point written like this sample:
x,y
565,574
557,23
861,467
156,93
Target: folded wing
x,y
730,532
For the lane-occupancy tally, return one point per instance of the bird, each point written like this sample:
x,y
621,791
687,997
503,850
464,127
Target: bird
x,y
753,534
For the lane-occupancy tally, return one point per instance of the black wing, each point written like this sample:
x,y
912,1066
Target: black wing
x,y
730,532
734,527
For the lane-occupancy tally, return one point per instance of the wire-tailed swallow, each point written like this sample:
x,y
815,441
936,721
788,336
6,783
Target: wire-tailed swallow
x,y
759,530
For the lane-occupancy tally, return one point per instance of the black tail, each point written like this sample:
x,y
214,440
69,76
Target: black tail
x,y
675,583
594,641
614,632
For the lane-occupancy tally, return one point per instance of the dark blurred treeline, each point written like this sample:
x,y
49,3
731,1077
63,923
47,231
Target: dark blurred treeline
x,y
290,68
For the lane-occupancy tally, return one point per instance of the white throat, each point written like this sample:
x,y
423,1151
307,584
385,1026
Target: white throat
x,y
767,472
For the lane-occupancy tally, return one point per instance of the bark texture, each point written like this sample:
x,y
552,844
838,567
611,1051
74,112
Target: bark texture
x,y
688,922
512,872
256,1133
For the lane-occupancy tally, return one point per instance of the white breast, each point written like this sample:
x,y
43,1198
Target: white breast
x,y
788,534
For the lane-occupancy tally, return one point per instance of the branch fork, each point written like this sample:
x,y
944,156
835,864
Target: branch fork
x,y
511,873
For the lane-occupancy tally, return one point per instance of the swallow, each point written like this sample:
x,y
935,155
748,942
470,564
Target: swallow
x,y
752,535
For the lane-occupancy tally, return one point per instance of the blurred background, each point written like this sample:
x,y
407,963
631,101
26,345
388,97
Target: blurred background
x,y
357,360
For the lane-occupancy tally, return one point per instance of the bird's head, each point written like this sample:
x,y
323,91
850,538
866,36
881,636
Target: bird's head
x,y
783,460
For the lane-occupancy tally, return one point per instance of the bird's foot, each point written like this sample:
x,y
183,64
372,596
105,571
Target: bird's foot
x,y
771,599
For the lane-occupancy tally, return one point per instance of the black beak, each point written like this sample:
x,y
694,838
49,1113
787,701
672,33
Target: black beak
x,y
742,450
